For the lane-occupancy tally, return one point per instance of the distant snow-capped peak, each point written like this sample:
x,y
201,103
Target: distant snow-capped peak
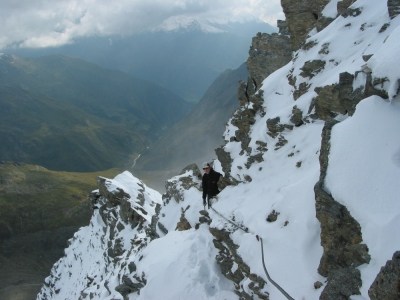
x,y
190,24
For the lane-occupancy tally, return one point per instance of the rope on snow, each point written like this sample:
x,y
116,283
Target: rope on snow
x,y
245,229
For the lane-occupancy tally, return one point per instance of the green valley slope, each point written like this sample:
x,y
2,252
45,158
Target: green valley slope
x,y
67,114
39,211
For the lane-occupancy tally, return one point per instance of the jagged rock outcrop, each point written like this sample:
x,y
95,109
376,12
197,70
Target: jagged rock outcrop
x,y
340,236
235,269
280,130
275,127
283,28
342,283
268,52
204,218
115,197
124,222
301,17
387,283
183,223
225,159
312,68
343,5
393,8
340,98
189,177
304,15
297,116
135,215
129,286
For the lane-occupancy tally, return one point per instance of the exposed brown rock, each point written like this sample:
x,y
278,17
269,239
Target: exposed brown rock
x,y
387,284
174,187
338,98
343,5
393,8
235,269
283,28
275,127
273,216
340,236
268,52
342,283
297,116
301,17
225,160
183,224
116,196
131,285
312,68
301,90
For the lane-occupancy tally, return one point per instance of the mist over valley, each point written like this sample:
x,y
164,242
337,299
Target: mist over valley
x,y
147,103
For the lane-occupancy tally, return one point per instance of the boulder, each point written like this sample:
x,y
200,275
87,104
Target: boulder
x,y
235,269
268,52
387,284
301,17
393,8
341,235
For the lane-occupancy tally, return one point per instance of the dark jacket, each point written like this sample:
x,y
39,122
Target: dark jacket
x,y
209,184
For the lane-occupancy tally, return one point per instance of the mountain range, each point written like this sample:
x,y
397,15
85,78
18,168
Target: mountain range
x,y
67,114
185,60
308,207
197,135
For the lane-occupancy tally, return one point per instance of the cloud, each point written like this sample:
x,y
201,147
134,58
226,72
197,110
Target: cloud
x,y
46,23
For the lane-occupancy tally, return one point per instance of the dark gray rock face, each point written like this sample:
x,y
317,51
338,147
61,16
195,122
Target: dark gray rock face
x,y
297,116
301,17
328,103
225,159
174,187
304,15
341,98
275,127
114,197
119,210
342,284
311,68
283,28
268,52
129,285
340,236
393,8
235,269
183,223
343,5
387,283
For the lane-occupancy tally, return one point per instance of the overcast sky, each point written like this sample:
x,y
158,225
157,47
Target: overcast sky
x,y
44,23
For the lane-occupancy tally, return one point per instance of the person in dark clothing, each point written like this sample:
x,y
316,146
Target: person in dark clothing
x,y
209,184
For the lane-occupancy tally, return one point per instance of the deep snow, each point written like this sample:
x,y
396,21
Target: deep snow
x,y
363,174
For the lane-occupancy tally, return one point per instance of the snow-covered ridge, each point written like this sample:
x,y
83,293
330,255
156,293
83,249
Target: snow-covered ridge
x,y
141,245
102,252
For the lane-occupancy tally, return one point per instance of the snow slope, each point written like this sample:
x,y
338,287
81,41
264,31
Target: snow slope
x,y
363,173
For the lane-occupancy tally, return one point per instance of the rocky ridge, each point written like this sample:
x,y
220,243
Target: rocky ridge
x,y
341,235
313,102
117,212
